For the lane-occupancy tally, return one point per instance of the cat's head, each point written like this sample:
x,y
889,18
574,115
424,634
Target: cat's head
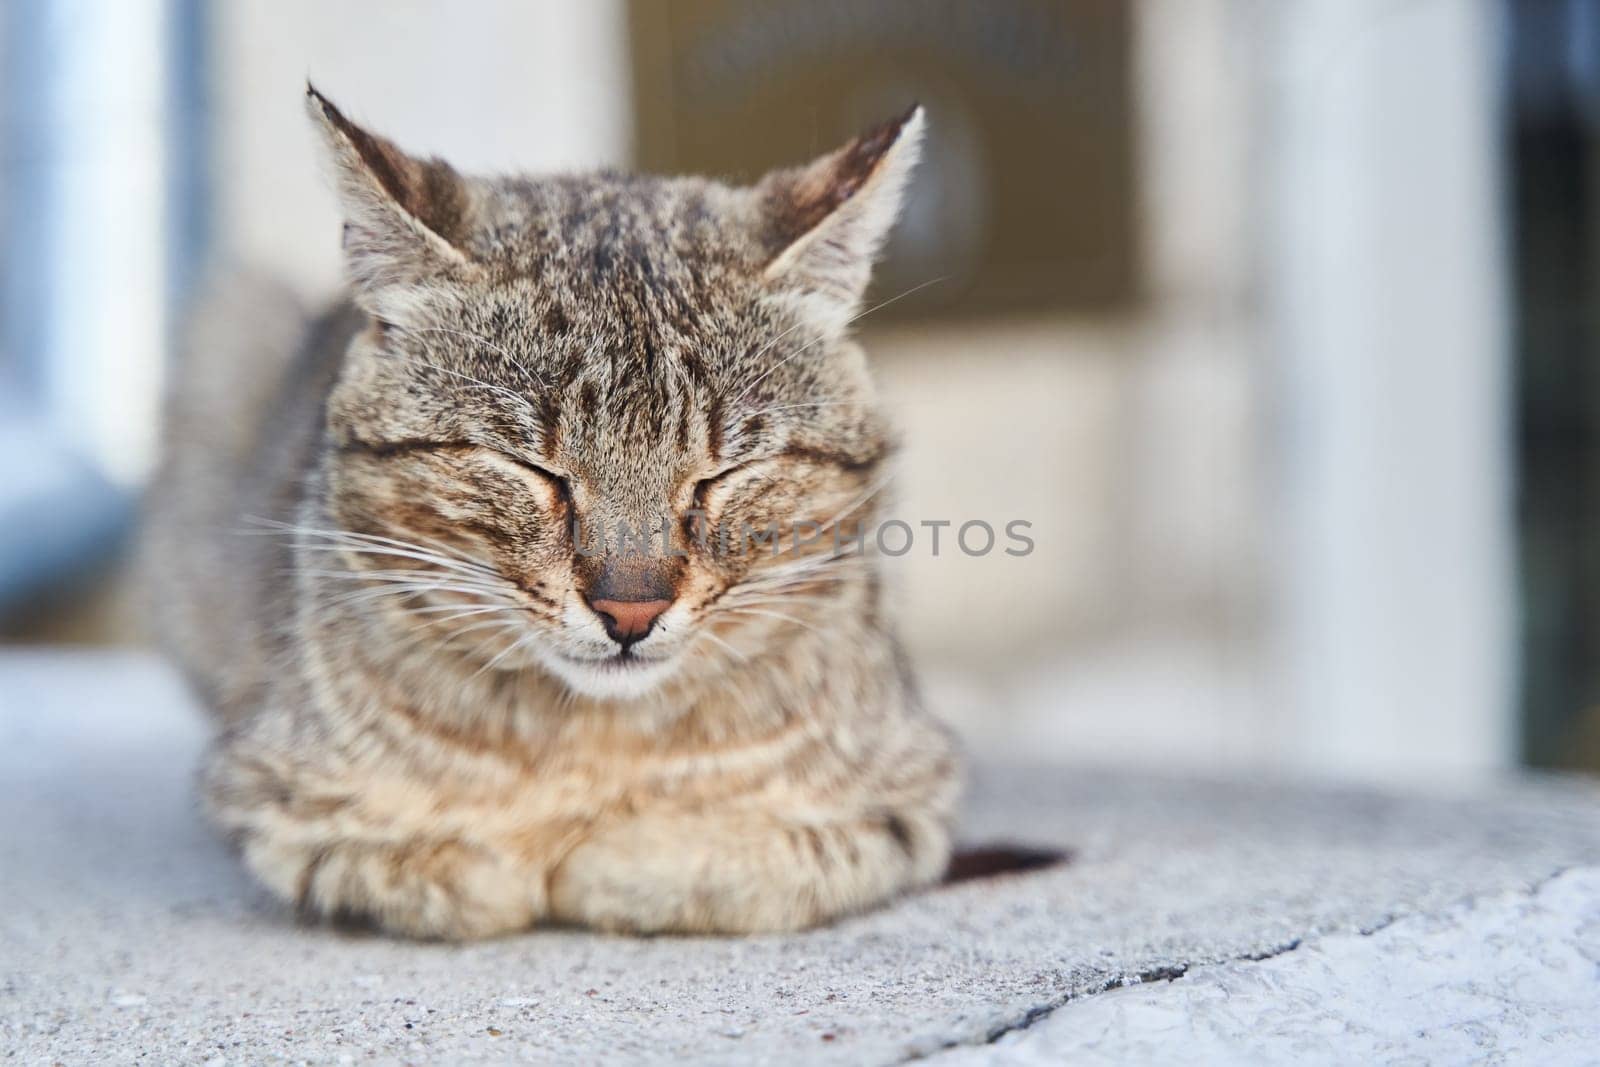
x,y
583,401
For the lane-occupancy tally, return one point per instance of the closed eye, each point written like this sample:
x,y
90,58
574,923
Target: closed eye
x,y
393,448
704,487
562,485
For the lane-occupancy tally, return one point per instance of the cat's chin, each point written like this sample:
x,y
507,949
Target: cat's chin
x,y
613,678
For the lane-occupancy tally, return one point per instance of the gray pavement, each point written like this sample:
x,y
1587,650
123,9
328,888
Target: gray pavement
x,y
129,935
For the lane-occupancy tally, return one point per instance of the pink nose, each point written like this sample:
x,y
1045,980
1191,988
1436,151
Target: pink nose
x,y
629,620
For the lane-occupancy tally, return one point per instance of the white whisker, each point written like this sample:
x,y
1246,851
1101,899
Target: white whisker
x,y
856,318
352,539
354,590
514,646
758,598
770,615
421,575
479,383
492,346
735,653
448,613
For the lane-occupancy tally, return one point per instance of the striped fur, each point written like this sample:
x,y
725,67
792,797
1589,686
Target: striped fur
x,y
381,595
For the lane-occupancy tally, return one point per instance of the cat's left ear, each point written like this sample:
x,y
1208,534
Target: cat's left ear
x,y
405,219
826,222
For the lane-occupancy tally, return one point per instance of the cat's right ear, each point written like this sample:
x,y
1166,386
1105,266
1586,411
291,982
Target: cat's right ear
x,y
825,223
405,219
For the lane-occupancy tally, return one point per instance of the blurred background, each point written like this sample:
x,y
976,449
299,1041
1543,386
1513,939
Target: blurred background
x,y
1278,320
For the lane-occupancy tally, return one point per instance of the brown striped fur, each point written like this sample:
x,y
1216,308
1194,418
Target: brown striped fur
x,y
375,581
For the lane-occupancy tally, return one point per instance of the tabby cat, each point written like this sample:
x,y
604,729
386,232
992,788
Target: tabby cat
x,y
453,567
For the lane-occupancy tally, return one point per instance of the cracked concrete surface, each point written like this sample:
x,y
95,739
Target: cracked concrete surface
x,y
129,935
1508,978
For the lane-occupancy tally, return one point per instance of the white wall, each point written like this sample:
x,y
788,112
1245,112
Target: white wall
x,y
1387,334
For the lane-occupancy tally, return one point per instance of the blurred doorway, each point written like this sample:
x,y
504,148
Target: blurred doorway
x,y
1554,188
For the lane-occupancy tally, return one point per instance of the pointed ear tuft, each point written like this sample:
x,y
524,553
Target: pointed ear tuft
x,y
826,222
405,219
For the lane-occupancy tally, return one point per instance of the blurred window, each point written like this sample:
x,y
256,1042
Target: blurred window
x,y
102,219
1026,198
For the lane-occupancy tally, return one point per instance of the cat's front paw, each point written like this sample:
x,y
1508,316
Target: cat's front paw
x,y
703,874
426,889
616,882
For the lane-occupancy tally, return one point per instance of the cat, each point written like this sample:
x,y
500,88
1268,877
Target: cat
x,y
450,703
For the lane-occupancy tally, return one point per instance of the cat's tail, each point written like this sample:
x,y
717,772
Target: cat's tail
x,y
236,352
240,338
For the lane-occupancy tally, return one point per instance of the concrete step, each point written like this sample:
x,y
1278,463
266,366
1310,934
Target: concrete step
x,y
128,931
